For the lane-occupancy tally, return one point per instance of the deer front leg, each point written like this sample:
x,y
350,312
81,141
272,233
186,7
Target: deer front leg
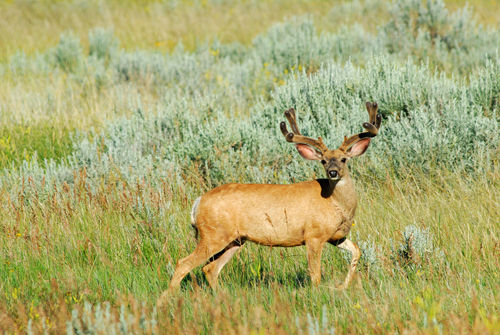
x,y
356,254
314,249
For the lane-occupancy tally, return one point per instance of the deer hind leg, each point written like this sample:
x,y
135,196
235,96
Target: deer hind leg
x,y
356,254
200,255
213,268
314,249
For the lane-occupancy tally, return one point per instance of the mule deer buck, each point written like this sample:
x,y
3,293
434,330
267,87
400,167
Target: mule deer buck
x,y
311,212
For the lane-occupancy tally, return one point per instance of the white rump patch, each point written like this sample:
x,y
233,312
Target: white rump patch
x,y
194,210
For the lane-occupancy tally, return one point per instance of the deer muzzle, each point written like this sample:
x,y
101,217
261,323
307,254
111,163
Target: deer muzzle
x,y
333,174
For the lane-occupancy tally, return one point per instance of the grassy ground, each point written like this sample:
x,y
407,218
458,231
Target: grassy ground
x,y
104,247
120,242
34,27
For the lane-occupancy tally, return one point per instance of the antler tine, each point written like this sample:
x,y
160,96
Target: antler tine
x,y
375,118
290,115
372,127
296,137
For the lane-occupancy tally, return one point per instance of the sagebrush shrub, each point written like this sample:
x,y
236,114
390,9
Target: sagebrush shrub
x,y
102,43
99,319
68,52
416,247
427,31
219,106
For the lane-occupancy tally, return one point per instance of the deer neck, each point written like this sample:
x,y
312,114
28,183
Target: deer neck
x,y
342,194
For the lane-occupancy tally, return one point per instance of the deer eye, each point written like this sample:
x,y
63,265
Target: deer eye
x,y
343,160
323,162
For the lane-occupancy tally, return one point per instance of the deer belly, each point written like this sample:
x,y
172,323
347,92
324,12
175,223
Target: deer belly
x,y
273,231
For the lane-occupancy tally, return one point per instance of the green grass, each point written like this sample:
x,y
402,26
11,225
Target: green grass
x,y
35,27
104,248
21,142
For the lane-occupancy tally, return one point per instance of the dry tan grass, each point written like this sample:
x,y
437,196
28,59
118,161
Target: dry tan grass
x,y
34,26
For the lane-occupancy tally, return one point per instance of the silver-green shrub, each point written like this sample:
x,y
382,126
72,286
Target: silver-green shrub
x,y
292,43
417,246
485,87
429,122
219,106
314,327
102,43
68,52
369,259
99,320
427,31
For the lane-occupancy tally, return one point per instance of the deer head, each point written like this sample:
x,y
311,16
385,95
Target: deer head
x,y
334,161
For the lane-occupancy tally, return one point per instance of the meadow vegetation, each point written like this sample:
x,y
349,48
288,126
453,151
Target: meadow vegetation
x,y
117,116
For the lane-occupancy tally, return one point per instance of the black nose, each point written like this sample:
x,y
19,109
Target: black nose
x,y
333,174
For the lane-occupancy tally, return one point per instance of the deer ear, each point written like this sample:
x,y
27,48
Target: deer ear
x,y
307,152
359,148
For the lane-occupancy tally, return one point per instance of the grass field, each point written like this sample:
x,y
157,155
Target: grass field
x,y
115,116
